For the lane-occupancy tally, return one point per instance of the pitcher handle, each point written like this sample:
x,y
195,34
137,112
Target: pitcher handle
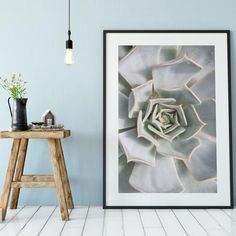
x,y
9,105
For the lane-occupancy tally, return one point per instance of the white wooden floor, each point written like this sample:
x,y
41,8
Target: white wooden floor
x,y
94,221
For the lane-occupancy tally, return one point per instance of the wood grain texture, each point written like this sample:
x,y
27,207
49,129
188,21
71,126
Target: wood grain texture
x,y
37,178
58,179
9,176
35,134
19,172
21,184
0,215
64,175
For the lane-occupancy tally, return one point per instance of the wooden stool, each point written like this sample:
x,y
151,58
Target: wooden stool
x,y
16,180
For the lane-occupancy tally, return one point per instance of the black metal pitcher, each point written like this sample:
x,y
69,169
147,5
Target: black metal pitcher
x,y
18,114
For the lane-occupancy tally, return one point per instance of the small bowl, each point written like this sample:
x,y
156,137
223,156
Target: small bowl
x,y
37,123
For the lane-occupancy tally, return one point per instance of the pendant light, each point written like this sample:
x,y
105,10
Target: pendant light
x,y
69,43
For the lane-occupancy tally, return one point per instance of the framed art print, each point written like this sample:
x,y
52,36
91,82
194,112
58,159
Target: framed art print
x,y
167,130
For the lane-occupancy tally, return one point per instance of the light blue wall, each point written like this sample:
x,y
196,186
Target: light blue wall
x,y
32,35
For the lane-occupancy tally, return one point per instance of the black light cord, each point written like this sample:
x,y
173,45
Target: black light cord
x,y
69,14
69,42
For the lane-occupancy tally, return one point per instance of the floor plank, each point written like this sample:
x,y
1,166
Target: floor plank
x,y
37,222
113,223
153,231
223,220
19,221
94,222
75,225
132,223
150,218
191,226
151,222
217,232
231,213
170,223
10,215
207,222
54,225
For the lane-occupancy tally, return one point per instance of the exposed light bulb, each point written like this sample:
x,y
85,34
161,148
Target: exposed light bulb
x,y
69,59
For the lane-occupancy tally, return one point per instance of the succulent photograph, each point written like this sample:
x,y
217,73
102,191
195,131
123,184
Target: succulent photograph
x,y
167,125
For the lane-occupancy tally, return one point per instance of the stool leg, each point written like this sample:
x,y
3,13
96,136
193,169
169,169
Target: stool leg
x,y
9,176
19,172
58,179
64,176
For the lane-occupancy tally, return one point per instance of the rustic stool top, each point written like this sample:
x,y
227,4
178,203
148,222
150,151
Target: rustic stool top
x,y
41,134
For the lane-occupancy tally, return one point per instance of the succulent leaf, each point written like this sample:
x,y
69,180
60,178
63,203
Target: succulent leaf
x,y
137,149
181,149
191,185
174,74
202,55
125,170
138,98
124,121
162,178
205,88
203,161
207,113
183,95
136,67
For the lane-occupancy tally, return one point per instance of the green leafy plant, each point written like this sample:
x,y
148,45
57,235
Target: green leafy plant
x,y
15,86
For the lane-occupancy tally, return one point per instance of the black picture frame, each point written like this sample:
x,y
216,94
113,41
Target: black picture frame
x,y
107,206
